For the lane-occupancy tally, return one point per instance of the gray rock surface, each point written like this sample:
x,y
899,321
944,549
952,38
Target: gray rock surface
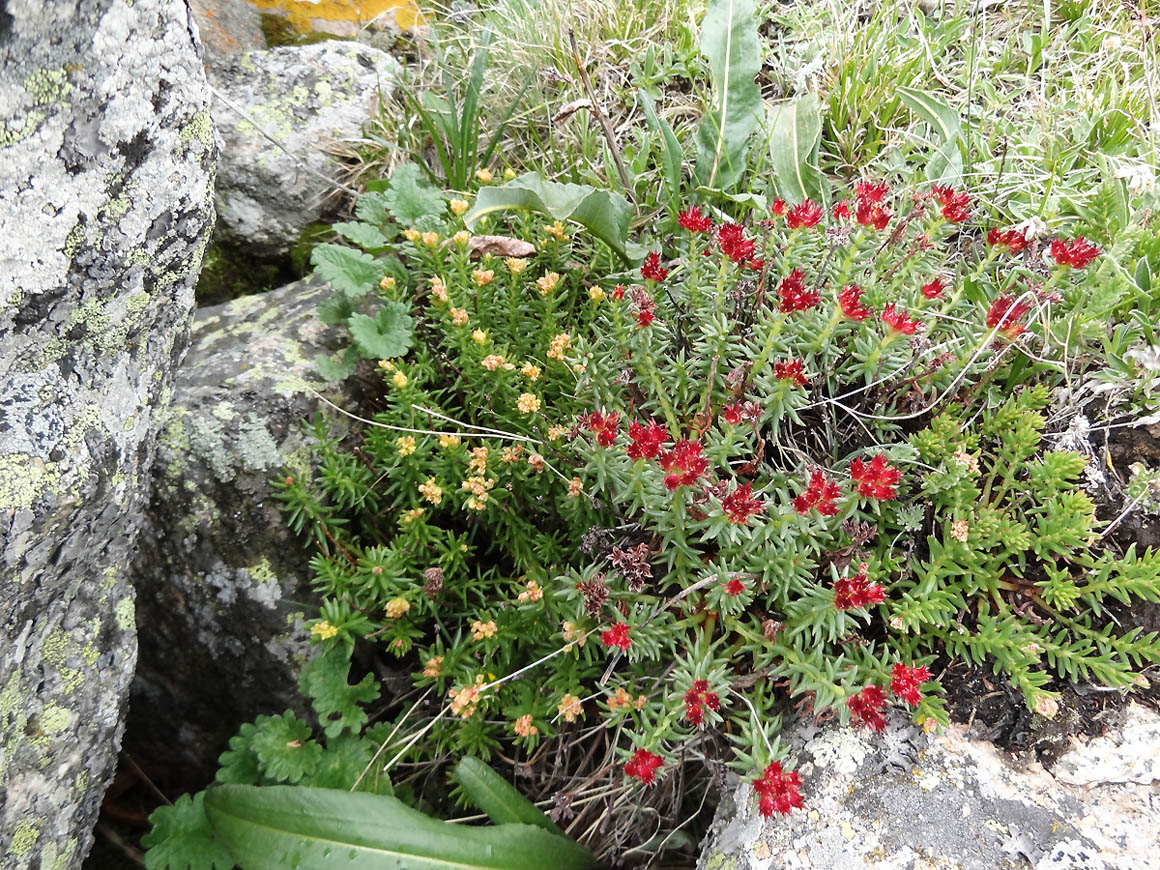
x,y
106,178
302,98
907,799
219,576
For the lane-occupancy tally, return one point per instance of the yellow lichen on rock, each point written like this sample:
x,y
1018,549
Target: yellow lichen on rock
x,y
308,16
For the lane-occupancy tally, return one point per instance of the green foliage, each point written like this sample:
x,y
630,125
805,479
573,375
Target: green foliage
x,y
795,131
278,827
324,681
182,839
730,43
602,213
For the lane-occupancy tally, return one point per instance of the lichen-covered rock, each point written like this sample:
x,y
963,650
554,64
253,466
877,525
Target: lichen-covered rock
x,y
106,177
906,799
227,28
222,584
301,97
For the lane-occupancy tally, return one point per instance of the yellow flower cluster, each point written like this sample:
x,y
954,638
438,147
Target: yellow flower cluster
x,y
478,463
482,277
556,230
478,487
528,403
431,491
575,487
511,454
399,380
531,371
479,336
396,607
323,630
461,238
430,239
532,592
433,667
548,283
524,727
480,630
459,317
596,294
515,264
438,289
572,634
410,516
559,345
449,441
411,234
960,530
387,283
570,708
458,207
972,462
493,361
555,432
484,175
406,445
537,463
465,700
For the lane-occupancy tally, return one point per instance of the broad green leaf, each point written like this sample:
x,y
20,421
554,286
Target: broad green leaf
x,y
352,272
411,196
672,157
498,798
239,763
795,131
181,838
946,164
336,701
1143,275
730,42
284,748
344,758
362,234
602,213
338,368
371,208
279,827
386,335
336,309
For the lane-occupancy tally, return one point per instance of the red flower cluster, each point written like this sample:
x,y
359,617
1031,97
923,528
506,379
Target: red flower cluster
x,y
857,591
741,504
617,636
821,494
734,245
791,371
841,212
643,766
604,426
869,209
794,295
851,301
778,207
956,207
646,439
1077,253
697,699
1006,314
734,587
684,463
692,220
898,321
806,213
905,682
876,479
867,707
618,292
1013,240
651,269
732,413
777,791
934,289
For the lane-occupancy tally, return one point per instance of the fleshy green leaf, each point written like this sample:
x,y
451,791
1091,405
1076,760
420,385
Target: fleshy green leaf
x,y
411,196
498,798
730,42
362,234
278,827
284,747
352,272
796,129
335,701
386,335
182,838
602,213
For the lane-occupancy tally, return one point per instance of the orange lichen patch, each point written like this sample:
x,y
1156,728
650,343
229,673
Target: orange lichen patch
x,y
306,16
